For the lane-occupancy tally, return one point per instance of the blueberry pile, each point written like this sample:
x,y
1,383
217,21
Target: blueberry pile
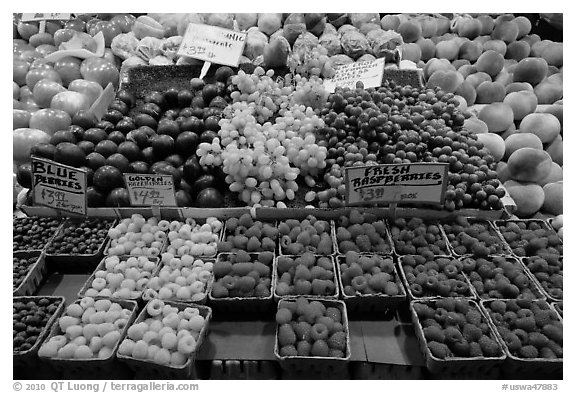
x,y
84,237
20,268
32,233
29,319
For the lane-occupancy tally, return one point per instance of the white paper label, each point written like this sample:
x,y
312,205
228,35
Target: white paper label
x,y
368,72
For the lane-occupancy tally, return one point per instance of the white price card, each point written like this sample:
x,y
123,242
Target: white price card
x,y
370,73
396,183
38,16
58,186
213,44
150,190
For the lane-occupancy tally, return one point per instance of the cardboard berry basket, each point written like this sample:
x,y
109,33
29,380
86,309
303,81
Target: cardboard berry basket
x,y
102,266
36,273
457,367
276,279
371,304
540,285
331,234
470,294
147,369
226,232
491,227
48,240
25,361
395,252
207,290
316,367
92,368
516,367
533,286
387,240
76,262
252,307
542,223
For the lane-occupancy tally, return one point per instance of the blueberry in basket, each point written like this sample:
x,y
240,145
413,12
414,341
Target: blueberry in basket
x,y
84,237
32,233
20,268
28,320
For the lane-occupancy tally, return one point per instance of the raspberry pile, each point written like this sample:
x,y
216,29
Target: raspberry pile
x,y
548,269
529,238
476,237
368,274
243,275
310,234
244,233
306,274
415,236
362,232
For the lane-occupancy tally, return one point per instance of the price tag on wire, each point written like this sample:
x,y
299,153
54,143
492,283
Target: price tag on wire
x,y
150,190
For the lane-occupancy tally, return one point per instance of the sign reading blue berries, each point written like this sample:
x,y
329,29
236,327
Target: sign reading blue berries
x,y
149,190
396,183
58,186
213,44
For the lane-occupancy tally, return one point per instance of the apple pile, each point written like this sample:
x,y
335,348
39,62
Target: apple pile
x,y
456,328
310,234
192,238
80,238
21,266
415,236
476,237
312,329
244,233
243,275
30,315
305,274
499,278
529,238
435,276
548,269
368,274
529,329
138,236
33,233
121,277
183,279
166,335
89,329
362,232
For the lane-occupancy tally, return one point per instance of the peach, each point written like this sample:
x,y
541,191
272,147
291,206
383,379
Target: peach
x,y
482,39
554,71
447,49
509,131
554,175
467,69
443,25
528,197
470,50
462,104
538,47
544,125
490,62
475,125
531,39
524,25
469,28
532,70
429,26
522,103
411,52
553,54
477,78
503,18
489,92
517,50
556,110
403,18
427,48
435,64
497,116
468,92
556,150
518,141
529,164
510,64
494,143
487,24
448,81
548,92
390,22
504,78
505,31
410,31
519,86
553,198
459,63
503,173
495,45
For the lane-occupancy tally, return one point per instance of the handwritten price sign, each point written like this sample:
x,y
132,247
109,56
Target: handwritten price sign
x,y
368,72
150,190
58,186
33,17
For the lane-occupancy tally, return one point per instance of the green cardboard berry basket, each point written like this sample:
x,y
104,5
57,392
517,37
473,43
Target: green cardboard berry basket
x,y
457,367
77,262
242,307
540,285
387,240
428,222
316,367
102,266
330,233
48,240
411,296
207,290
147,369
516,367
25,361
36,273
543,224
371,304
276,279
533,286
92,368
